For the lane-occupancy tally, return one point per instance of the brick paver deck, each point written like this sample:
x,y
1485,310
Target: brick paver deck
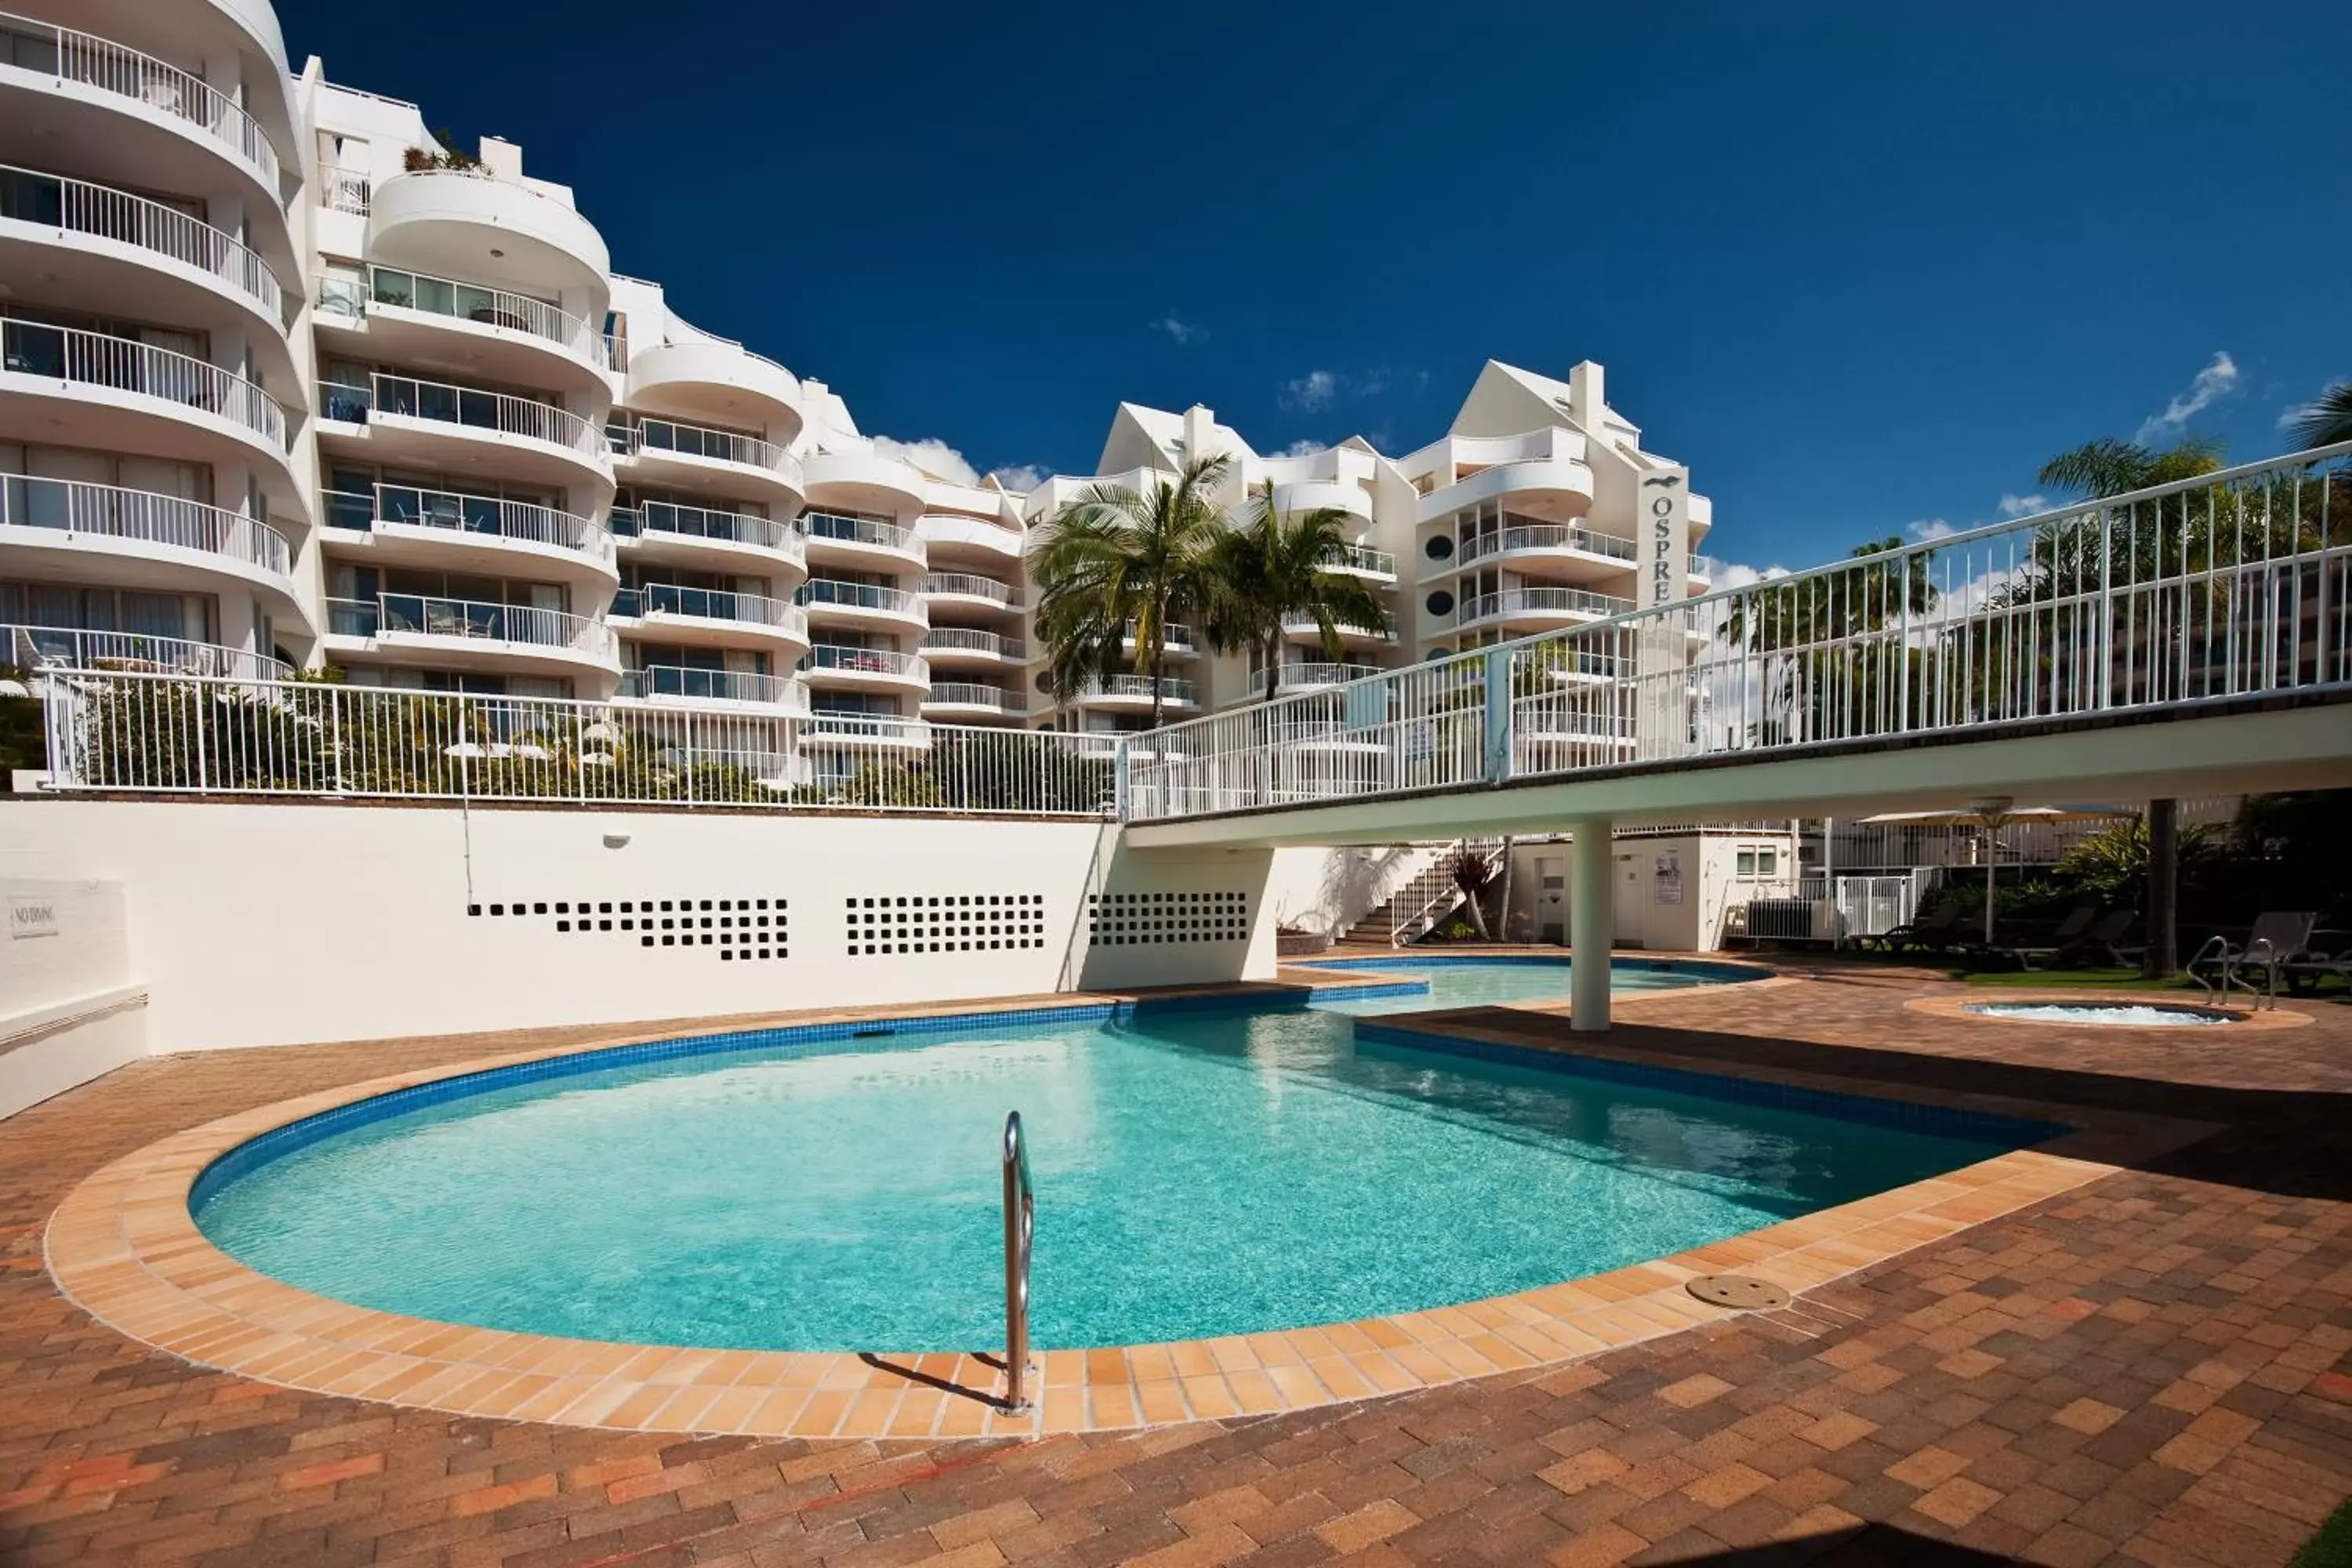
x,y
2155,1368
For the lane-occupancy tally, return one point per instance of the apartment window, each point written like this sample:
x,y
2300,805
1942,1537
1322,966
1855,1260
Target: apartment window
x,y
1757,863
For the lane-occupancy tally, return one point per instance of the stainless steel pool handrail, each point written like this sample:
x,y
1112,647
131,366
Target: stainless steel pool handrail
x,y
1020,1233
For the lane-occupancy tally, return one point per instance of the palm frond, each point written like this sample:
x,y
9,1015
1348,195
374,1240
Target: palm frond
x,y
2328,420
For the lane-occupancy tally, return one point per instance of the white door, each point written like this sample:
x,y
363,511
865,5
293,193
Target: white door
x,y
1551,898
1632,901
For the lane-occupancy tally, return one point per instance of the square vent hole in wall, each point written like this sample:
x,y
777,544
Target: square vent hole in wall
x,y
894,923
733,929
1136,920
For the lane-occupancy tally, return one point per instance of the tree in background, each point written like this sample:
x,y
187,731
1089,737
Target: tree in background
x,y
1272,569
1113,559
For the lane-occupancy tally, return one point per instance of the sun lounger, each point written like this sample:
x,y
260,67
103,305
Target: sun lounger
x,y
2068,931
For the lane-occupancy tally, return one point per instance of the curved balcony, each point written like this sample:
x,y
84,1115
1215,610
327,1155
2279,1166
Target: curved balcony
x,y
830,602
1132,694
1548,489
63,88
969,648
1323,495
466,634
967,591
710,616
741,690
1176,640
106,248
1364,561
710,378
1295,626
864,732
702,536
861,481
1310,677
860,543
938,530
117,395
1538,607
865,669
411,526
415,317
467,222
148,540
964,699
404,420
1544,542
72,648
665,452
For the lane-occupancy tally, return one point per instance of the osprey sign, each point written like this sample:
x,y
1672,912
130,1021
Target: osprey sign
x,y
1662,513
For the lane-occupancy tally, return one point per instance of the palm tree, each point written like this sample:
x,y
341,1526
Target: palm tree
x,y
1115,558
1276,569
2327,421
2107,467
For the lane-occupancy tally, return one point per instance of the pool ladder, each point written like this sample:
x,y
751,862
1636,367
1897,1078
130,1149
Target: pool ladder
x,y
1020,1233
2224,966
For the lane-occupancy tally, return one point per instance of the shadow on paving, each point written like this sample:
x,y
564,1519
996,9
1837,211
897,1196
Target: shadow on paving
x,y
1873,1544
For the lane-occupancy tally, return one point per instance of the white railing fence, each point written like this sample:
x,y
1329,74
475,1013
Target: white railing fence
x,y
101,63
157,733
148,516
124,364
2231,586
415,507
81,207
485,306
406,397
77,647
425,615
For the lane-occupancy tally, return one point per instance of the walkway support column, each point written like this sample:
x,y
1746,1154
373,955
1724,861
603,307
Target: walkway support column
x,y
2163,956
1591,926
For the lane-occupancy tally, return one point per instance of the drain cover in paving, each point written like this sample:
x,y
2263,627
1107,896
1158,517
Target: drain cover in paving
x,y
1741,1290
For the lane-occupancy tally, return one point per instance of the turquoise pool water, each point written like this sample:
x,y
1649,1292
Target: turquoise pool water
x,y
1200,1172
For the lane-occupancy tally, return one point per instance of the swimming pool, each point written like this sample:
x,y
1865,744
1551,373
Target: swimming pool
x,y
2103,1015
1202,1171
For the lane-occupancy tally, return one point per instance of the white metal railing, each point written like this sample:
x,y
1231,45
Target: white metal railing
x,y
78,206
414,506
98,62
42,647
95,359
1364,558
427,615
1306,626
712,604
1313,672
461,301
685,682
969,585
661,517
1174,636
616,353
631,437
849,529
1434,892
1171,690
976,694
345,190
1540,602
244,738
496,411
112,512
1546,536
2231,586
834,659
827,593
966,639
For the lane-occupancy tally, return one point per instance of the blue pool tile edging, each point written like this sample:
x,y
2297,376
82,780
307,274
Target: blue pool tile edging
x,y
280,1142
1699,967
1908,1115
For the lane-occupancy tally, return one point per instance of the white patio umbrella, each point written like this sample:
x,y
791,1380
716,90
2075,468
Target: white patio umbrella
x,y
1990,816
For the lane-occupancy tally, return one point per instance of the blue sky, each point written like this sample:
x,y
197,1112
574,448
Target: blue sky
x,y
1862,266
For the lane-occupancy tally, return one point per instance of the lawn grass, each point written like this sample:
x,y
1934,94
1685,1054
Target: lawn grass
x,y
2332,1547
2103,979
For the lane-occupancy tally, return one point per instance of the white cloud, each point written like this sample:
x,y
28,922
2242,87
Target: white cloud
x,y
2215,382
2023,506
1299,449
1182,331
1928,530
1735,575
941,461
1312,391
1020,477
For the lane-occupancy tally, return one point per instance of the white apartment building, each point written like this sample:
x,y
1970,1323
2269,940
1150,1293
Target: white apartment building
x,y
284,384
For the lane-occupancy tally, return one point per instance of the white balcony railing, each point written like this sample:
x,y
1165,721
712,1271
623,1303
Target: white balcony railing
x,y
499,412
966,585
1300,626
345,190
1540,602
412,506
110,512
1172,691
78,206
96,62
630,438
826,592
710,604
1174,636
669,518
460,301
422,614
94,359
828,656
1363,558
975,694
1546,536
848,529
1312,673
685,682
75,647
616,353
966,639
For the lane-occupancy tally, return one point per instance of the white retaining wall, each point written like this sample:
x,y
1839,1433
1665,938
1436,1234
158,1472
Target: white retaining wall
x,y
279,924
69,1007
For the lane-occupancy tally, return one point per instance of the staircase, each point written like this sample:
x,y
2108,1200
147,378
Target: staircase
x,y
1418,908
